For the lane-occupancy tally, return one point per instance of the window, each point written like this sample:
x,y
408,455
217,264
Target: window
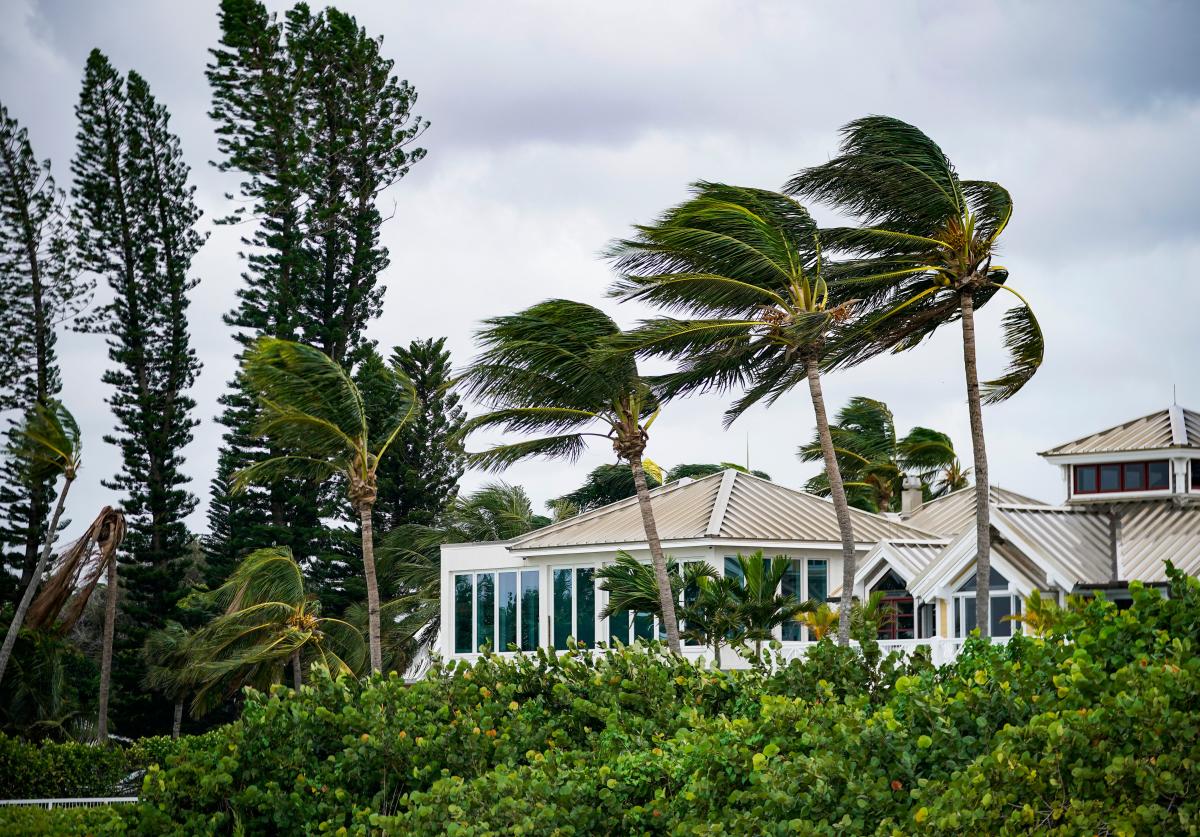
x,y
530,609
1004,602
793,585
487,611
898,611
1195,474
1124,476
574,610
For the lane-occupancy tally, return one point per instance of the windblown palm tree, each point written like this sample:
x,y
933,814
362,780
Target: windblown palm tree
x,y
549,370
922,258
633,587
169,668
874,462
47,446
711,618
269,622
744,265
312,408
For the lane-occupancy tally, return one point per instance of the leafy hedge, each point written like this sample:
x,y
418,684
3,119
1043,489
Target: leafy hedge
x,y
1094,730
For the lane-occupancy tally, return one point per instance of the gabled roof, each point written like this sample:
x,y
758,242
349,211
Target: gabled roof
x,y
908,558
1153,532
1174,427
954,513
1071,543
730,505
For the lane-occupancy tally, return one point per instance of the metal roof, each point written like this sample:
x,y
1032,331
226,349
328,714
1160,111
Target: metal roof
x,y
1174,427
1077,541
954,513
1153,531
909,558
731,505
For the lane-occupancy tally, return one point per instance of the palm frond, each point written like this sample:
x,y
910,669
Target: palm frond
x,y
1026,346
299,378
569,446
48,441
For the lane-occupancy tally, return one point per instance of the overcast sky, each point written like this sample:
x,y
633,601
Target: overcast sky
x,y
557,125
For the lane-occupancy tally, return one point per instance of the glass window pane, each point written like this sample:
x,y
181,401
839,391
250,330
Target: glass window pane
x,y
618,627
1085,479
1110,477
1160,475
508,611
792,631
1135,474
732,568
462,615
585,606
530,610
485,610
690,592
1001,607
818,580
643,626
562,608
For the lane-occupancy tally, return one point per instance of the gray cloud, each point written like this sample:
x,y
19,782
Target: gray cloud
x,y
556,126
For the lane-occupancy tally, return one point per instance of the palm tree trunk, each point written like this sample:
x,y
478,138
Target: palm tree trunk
x,y
297,674
717,655
665,599
177,723
368,550
14,628
837,492
983,523
110,621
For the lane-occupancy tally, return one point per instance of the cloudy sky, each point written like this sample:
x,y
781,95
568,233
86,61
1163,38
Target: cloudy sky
x,y
557,125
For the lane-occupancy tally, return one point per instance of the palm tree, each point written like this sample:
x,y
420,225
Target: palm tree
x,y
711,618
633,587
47,446
168,667
761,606
312,408
821,621
745,266
410,564
874,462
549,369
269,622
921,258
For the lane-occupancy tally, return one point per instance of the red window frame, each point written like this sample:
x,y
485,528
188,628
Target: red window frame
x,y
1121,486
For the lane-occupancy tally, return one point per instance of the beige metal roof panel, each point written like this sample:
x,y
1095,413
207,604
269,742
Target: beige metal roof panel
x,y
1153,532
954,513
1076,540
910,558
762,510
1146,433
681,512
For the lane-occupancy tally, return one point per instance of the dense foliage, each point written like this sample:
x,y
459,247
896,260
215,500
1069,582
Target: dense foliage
x,y
1092,729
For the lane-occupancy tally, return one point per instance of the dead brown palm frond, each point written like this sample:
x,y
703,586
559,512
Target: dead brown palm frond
x,y
77,574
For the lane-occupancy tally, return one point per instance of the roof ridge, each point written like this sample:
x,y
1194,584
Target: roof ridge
x,y
1118,426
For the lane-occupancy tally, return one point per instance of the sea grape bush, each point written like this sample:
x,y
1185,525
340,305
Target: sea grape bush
x,y
1091,729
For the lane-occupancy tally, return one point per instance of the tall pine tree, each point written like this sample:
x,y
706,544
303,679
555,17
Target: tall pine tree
x,y
40,290
311,117
135,222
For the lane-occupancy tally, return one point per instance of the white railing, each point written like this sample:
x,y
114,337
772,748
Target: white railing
x,y
71,802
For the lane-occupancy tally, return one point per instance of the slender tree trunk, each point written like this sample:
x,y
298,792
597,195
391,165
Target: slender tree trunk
x,y
177,723
837,492
297,673
717,655
368,550
665,599
14,628
983,523
106,650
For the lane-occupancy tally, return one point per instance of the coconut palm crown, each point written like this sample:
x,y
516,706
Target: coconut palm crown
x,y
922,257
744,267
315,420
549,371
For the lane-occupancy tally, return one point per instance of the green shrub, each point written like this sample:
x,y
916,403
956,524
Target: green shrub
x,y
52,769
68,822
1094,729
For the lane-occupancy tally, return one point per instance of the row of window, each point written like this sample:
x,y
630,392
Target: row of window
x,y
1123,476
502,608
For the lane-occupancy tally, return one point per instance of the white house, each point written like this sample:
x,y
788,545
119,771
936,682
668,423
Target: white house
x,y
1133,501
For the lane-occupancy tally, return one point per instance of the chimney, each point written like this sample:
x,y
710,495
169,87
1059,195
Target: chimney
x,y
911,497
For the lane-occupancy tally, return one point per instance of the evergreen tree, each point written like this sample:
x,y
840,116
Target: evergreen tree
x,y
309,114
39,291
135,221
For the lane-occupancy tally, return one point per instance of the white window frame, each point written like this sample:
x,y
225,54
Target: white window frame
x,y
597,593
474,576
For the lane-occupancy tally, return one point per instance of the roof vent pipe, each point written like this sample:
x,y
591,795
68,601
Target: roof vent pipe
x,y
911,497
